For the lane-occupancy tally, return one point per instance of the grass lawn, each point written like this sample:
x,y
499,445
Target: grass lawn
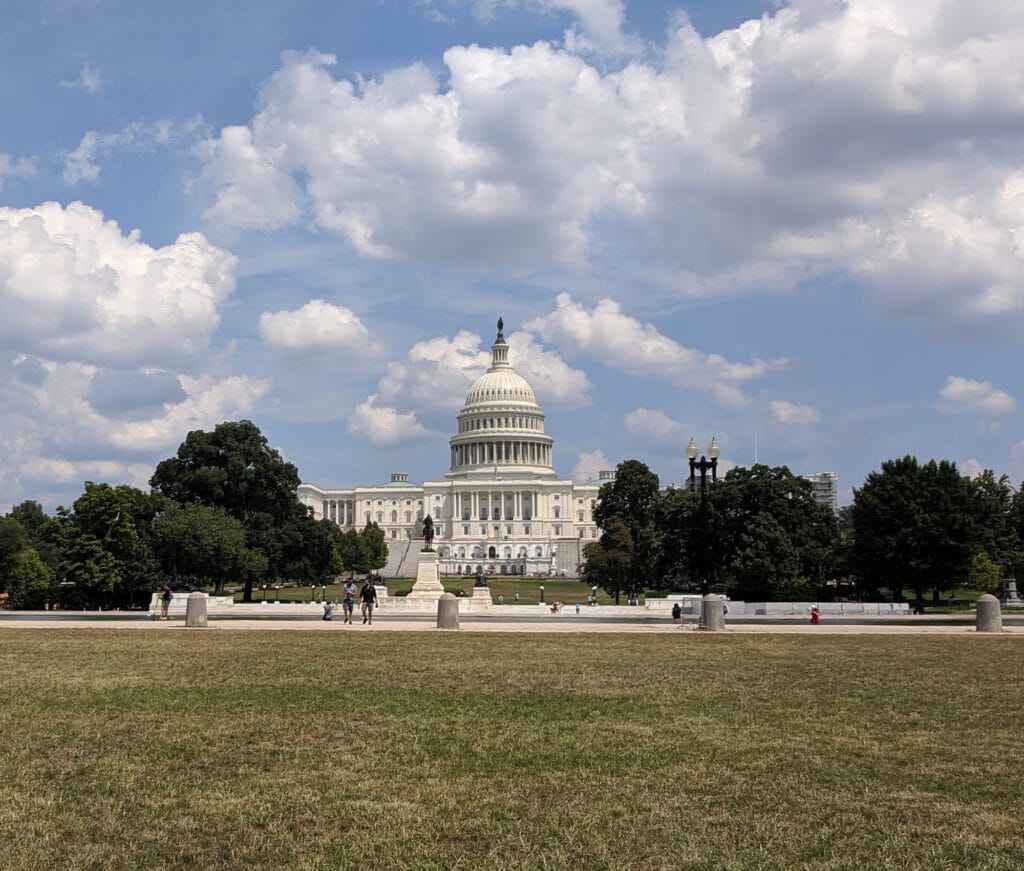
x,y
335,749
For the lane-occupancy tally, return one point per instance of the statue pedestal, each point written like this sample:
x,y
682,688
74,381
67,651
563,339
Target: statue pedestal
x,y
428,578
482,598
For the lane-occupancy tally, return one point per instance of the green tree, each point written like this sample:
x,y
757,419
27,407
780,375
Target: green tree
x,y
352,552
983,574
631,499
609,561
764,560
913,527
203,545
85,571
120,518
33,518
235,469
375,547
30,582
12,542
992,514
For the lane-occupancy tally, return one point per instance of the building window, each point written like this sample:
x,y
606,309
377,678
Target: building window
x,y
367,516
556,497
539,551
558,529
408,517
465,529
593,532
526,529
508,529
380,516
558,512
394,517
579,516
483,529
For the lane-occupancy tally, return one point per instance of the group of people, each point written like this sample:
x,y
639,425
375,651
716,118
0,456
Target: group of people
x,y
367,596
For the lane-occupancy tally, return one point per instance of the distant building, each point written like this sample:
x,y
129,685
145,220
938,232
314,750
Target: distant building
x,y
500,510
823,488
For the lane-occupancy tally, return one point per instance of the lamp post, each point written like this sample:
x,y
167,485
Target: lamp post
x,y
704,465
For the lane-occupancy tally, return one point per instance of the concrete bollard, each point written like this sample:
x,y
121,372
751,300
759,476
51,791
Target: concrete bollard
x,y
989,616
712,613
195,611
447,611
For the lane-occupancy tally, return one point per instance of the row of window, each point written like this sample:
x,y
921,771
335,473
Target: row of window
x,y
499,423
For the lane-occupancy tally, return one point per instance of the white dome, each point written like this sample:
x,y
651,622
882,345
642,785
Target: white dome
x,y
501,426
500,385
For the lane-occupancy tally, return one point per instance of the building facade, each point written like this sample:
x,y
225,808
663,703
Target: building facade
x,y
824,489
499,510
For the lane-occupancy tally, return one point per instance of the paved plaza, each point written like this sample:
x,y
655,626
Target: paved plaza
x,y
382,623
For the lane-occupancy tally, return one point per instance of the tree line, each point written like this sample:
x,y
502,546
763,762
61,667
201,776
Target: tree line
x,y
758,534
223,510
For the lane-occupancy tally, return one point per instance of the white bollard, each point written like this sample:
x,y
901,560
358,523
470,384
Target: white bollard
x,y
195,611
447,611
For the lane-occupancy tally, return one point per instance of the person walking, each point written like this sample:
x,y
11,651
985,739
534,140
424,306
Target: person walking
x,y
348,602
165,601
677,614
368,596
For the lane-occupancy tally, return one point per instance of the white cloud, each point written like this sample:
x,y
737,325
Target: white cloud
x,y
383,425
107,340
73,286
89,80
315,327
791,412
589,464
15,168
552,379
970,468
432,381
871,137
654,426
966,396
620,341
139,136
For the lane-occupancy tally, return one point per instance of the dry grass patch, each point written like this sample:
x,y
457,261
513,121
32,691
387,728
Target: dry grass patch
x,y
324,750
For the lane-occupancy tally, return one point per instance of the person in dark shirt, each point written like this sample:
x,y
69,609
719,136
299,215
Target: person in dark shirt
x,y
368,596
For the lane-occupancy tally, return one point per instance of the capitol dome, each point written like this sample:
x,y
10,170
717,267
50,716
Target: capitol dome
x,y
501,426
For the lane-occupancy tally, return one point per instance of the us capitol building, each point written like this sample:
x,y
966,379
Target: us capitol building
x,y
500,510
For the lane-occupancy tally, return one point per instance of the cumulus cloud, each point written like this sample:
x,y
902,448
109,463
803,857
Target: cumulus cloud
x,y
589,464
621,341
791,412
432,381
89,80
81,164
383,425
971,468
73,286
966,396
871,137
654,426
315,327
15,167
107,340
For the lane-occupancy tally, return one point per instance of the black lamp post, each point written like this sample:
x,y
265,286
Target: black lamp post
x,y
704,465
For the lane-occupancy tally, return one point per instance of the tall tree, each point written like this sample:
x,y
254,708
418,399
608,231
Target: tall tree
x,y
202,545
631,499
30,582
120,518
12,542
375,547
609,562
235,469
913,527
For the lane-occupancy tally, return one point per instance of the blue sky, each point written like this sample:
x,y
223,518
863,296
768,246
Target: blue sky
x,y
802,220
